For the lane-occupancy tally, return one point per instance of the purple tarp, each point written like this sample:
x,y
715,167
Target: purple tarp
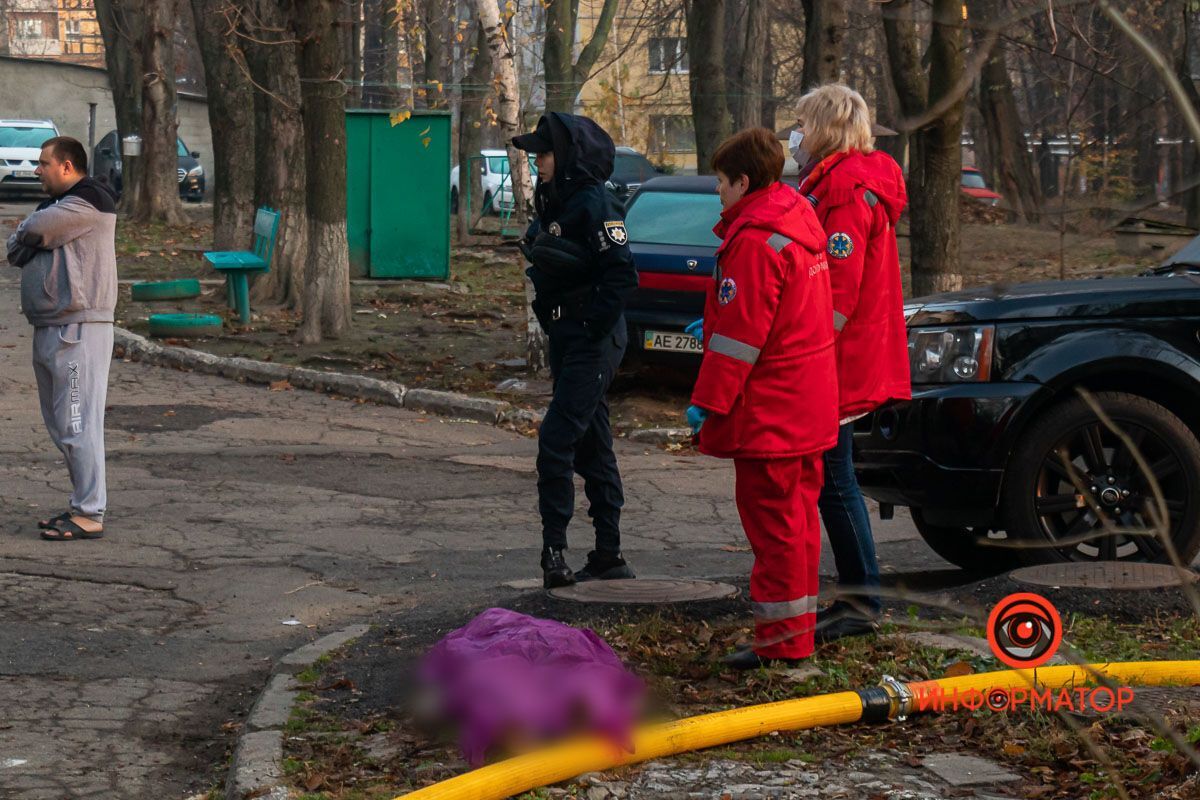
x,y
507,675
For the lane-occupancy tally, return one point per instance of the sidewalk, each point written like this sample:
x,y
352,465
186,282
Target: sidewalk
x,y
126,664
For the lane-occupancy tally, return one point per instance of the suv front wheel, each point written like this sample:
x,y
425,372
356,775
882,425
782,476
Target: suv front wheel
x,y
1076,490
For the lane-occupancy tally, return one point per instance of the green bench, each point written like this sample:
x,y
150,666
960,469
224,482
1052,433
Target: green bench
x,y
238,264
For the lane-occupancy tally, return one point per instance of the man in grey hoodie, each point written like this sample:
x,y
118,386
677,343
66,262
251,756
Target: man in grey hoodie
x,y
67,254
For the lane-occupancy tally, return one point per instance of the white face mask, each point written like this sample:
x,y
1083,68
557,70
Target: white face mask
x,y
799,154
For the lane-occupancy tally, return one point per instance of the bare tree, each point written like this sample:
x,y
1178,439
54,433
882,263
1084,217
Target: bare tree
x,y
157,198
564,79
936,145
1188,68
269,48
230,111
509,119
120,28
475,92
824,28
436,25
1003,130
326,302
706,77
746,32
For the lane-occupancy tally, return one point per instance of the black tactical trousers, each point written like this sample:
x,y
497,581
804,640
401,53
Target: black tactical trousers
x,y
575,436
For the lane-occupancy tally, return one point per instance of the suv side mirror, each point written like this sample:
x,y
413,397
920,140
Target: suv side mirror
x,y
195,154
106,152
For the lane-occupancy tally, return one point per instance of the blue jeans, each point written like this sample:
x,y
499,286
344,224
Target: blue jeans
x,y
844,513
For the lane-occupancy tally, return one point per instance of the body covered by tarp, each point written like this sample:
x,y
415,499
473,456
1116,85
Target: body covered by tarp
x,y
506,677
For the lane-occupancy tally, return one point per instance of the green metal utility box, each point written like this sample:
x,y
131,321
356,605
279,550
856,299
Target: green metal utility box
x,y
398,193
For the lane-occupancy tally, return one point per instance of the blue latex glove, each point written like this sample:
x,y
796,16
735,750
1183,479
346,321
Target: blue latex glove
x,y
696,330
695,417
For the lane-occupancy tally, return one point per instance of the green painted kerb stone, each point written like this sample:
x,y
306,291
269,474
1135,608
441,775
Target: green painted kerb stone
x,y
184,325
166,290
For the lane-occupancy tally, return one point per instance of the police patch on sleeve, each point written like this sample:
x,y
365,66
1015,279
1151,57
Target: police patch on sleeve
x,y
727,292
615,230
840,245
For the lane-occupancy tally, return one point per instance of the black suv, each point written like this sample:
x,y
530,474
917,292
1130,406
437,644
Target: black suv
x,y
106,166
1006,437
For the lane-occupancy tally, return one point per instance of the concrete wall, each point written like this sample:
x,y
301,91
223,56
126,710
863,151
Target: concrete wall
x,y
31,89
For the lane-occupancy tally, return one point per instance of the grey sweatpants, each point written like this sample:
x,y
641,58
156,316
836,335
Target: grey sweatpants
x,y
71,364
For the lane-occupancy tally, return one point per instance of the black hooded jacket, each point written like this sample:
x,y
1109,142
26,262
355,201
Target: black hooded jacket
x,y
577,206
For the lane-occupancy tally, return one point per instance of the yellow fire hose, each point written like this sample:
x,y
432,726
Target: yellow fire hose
x,y
892,700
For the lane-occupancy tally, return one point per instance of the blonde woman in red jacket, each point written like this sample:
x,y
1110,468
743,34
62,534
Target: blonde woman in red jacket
x,y
766,395
858,193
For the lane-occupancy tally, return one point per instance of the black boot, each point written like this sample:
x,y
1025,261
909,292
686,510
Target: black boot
x,y
555,572
842,620
748,659
602,566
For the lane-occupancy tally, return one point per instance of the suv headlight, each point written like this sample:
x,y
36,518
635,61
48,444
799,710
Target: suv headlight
x,y
951,355
196,171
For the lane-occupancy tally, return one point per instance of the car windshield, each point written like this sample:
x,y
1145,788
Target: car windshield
x,y
631,168
680,218
498,165
181,148
973,180
12,136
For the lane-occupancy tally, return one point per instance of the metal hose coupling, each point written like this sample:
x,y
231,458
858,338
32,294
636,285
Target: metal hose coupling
x,y
892,699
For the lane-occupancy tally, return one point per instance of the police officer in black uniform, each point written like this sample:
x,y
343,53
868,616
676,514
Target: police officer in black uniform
x,y
583,275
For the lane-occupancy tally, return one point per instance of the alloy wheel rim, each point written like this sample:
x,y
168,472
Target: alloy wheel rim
x,y
1092,498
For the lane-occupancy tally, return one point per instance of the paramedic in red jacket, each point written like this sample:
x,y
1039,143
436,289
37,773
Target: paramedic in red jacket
x,y
858,194
766,395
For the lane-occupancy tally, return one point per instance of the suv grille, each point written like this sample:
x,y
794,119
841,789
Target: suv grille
x,y
182,174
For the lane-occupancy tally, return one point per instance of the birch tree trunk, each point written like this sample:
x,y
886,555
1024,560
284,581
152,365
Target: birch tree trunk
x,y
508,110
327,269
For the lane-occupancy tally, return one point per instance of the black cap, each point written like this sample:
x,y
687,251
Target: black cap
x,y
537,142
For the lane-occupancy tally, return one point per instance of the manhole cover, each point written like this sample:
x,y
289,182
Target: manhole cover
x,y
1103,575
645,591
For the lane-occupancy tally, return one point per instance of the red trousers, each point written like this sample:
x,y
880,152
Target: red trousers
x,y
777,501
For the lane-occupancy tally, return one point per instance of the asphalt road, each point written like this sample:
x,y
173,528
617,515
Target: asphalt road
x,y
236,512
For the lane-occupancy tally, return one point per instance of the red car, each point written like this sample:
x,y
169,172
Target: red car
x,y
974,186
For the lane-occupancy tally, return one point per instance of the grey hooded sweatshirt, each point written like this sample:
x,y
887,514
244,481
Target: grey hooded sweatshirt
x,y
67,254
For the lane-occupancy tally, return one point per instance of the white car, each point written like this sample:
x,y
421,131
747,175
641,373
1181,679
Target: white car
x,y
20,146
494,183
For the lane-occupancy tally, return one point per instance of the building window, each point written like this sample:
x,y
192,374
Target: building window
x,y
668,54
672,133
73,28
29,29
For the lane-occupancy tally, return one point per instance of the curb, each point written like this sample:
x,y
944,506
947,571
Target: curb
x,y
135,347
257,767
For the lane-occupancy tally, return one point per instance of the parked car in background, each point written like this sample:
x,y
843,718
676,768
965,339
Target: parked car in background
x,y
106,166
999,446
20,147
630,170
495,185
974,186
669,221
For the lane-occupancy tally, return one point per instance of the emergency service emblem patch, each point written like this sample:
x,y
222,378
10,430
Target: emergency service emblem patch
x,y
840,245
615,230
555,229
727,292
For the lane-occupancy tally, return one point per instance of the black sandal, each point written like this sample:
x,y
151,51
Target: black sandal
x,y
65,530
48,524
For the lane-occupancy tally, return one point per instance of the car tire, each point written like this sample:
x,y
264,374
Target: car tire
x,y
488,208
1058,511
965,547
180,289
453,201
